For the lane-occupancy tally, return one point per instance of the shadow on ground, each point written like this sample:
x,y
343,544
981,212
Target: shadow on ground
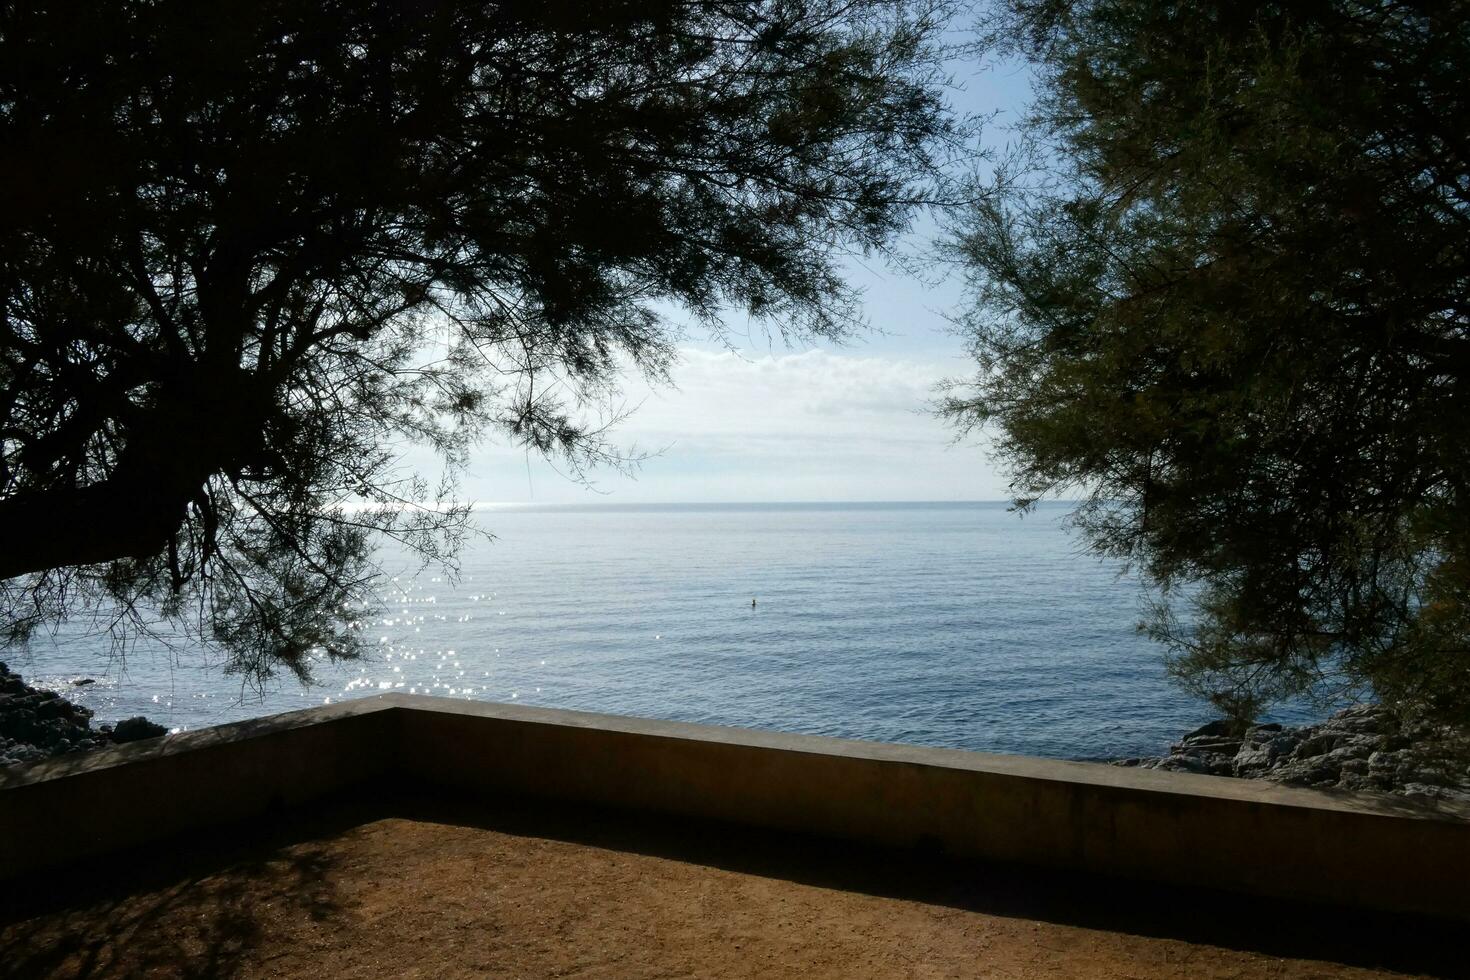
x,y
1268,926
217,883
225,882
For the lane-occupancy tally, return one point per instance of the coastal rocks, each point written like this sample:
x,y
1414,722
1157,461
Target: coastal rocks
x,y
37,724
1365,747
132,729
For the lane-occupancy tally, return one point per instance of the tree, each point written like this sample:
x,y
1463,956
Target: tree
x,y
1225,297
249,247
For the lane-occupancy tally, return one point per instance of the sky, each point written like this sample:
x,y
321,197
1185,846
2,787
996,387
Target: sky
x,y
768,423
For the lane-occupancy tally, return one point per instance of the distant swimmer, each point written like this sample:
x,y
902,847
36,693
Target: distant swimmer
x,y
752,603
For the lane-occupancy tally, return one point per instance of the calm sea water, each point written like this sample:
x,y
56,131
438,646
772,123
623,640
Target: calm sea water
x,y
959,625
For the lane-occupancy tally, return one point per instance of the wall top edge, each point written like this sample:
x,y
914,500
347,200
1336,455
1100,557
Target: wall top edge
x,y
427,707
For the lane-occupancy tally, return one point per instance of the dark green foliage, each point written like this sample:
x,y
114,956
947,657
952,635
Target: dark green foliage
x,y
251,247
1225,295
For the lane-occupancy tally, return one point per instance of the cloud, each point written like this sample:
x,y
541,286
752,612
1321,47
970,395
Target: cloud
x,y
813,425
840,402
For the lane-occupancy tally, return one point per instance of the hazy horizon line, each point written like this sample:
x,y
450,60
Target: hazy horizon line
x,y
614,505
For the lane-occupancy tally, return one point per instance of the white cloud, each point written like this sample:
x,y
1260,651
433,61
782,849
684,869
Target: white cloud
x,y
814,425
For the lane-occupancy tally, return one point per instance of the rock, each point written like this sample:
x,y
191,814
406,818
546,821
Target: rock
x,y
52,733
1268,746
83,681
1395,741
1383,762
1285,743
27,753
36,724
20,725
1217,729
133,729
1212,763
1209,743
1184,763
1253,761
1311,771
53,708
1372,722
1352,751
1319,744
1363,747
1411,772
1433,792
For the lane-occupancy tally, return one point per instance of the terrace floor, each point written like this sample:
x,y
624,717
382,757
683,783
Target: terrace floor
x,y
447,890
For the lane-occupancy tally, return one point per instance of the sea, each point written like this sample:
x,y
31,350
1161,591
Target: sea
x,y
963,625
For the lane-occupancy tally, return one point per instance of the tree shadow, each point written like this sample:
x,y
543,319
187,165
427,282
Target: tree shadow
x,y
1273,927
190,907
122,915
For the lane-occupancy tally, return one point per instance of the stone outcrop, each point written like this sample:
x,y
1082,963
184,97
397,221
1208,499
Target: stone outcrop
x,y
1365,747
132,729
37,724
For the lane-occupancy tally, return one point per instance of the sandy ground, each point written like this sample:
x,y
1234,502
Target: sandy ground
x,y
444,892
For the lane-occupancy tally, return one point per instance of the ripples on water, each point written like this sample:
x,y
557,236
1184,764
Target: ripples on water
x,y
959,625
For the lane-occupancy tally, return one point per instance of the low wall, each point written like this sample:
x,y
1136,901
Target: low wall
x,y
1260,838
81,806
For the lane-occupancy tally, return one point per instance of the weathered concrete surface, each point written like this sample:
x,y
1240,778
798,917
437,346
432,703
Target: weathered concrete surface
x,y
1350,848
79,806
1356,849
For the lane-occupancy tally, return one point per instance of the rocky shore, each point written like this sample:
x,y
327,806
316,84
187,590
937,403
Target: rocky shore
x,y
1365,747
36,724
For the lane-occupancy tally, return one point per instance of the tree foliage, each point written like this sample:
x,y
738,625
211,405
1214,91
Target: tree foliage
x,y
249,247
1225,296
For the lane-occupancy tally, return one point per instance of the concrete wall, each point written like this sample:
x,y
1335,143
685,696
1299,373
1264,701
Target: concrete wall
x,y
1247,836
81,806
